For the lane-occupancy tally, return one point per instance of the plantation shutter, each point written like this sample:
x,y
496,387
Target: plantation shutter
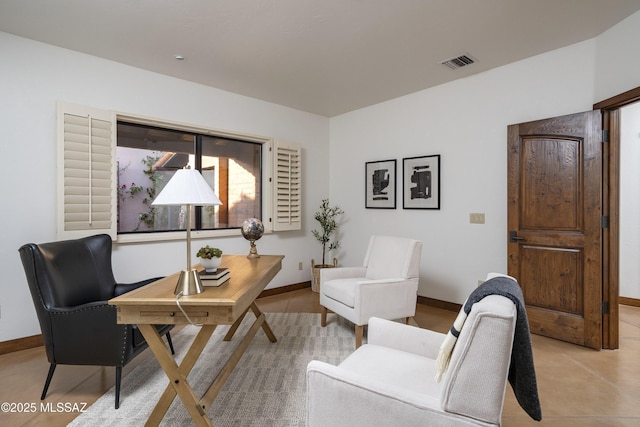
x,y
287,186
86,172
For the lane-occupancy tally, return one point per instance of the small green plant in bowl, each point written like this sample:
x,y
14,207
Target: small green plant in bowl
x,y
210,258
207,252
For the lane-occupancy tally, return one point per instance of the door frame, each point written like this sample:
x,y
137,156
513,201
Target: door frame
x,y
610,109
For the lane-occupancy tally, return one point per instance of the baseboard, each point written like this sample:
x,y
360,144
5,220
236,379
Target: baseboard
x,y
21,344
629,301
444,305
36,340
284,289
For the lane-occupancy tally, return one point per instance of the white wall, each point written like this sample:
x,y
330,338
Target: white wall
x,y
34,76
617,61
465,121
630,201
618,70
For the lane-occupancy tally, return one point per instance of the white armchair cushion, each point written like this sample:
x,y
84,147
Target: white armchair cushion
x,y
388,299
389,257
423,342
341,290
337,397
393,367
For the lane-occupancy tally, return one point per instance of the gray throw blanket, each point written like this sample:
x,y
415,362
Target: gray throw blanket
x,y
522,374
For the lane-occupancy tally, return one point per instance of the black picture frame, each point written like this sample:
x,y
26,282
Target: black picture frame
x,y
380,184
421,182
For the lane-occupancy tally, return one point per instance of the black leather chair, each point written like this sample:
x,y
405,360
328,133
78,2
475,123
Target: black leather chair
x,y
70,282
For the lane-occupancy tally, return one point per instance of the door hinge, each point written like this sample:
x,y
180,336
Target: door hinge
x,y
604,222
604,308
605,135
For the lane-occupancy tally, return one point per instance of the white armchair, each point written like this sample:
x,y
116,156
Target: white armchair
x,y
386,286
391,379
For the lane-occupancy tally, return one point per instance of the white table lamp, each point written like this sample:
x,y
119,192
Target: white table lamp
x,y
187,187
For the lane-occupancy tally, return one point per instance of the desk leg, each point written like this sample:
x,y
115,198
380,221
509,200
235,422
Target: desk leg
x,y
217,384
265,325
258,313
177,374
232,330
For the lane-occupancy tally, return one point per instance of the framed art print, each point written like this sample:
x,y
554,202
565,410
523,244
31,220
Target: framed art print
x,y
380,179
421,182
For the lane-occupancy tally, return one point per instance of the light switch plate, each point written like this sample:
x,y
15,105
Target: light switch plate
x,y
476,218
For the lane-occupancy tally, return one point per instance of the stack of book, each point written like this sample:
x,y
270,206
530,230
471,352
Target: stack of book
x,y
216,278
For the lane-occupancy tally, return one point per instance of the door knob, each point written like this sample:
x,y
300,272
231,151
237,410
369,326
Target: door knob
x,y
513,237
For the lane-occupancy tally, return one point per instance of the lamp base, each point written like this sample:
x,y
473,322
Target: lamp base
x,y
189,283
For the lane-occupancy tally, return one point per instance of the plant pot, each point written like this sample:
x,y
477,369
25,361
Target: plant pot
x,y
211,264
315,269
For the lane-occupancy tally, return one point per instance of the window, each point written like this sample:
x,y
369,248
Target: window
x,y
104,187
148,156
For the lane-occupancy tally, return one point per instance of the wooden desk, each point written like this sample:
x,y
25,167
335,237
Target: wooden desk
x,y
155,304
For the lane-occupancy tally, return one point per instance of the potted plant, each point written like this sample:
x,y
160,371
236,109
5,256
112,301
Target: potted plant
x,y
210,258
327,217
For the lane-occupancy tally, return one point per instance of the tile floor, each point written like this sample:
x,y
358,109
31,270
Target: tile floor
x,y
577,386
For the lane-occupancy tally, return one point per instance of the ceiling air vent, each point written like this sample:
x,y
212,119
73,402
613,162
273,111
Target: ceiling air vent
x,y
459,61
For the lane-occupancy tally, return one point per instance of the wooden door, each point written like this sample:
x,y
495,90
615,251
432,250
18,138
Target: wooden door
x,y
554,223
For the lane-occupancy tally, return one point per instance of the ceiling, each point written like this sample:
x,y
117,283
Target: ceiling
x,y
322,56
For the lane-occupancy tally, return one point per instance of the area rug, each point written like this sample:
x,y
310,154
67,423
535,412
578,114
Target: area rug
x,y
267,387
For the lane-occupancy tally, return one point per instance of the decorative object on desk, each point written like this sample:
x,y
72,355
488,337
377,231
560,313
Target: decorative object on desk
x,y
207,281
221,271
252,230
327,217
215,279
187,187
210,258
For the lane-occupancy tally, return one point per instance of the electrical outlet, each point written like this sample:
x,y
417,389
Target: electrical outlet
x,y
300,265
476,218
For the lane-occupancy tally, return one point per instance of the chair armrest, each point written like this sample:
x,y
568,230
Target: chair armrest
x,y
339,397
332,372
123,288
381,281
327,274
385,298
423,342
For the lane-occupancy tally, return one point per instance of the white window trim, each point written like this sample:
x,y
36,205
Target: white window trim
x,y
286,186
64,232
268,181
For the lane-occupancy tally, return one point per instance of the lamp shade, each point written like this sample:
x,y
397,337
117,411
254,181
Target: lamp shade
x,y
187,187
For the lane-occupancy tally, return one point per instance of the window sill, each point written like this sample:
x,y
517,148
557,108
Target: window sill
x,y
177,235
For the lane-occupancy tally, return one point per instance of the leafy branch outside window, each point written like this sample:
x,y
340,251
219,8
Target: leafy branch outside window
x,y
149,216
